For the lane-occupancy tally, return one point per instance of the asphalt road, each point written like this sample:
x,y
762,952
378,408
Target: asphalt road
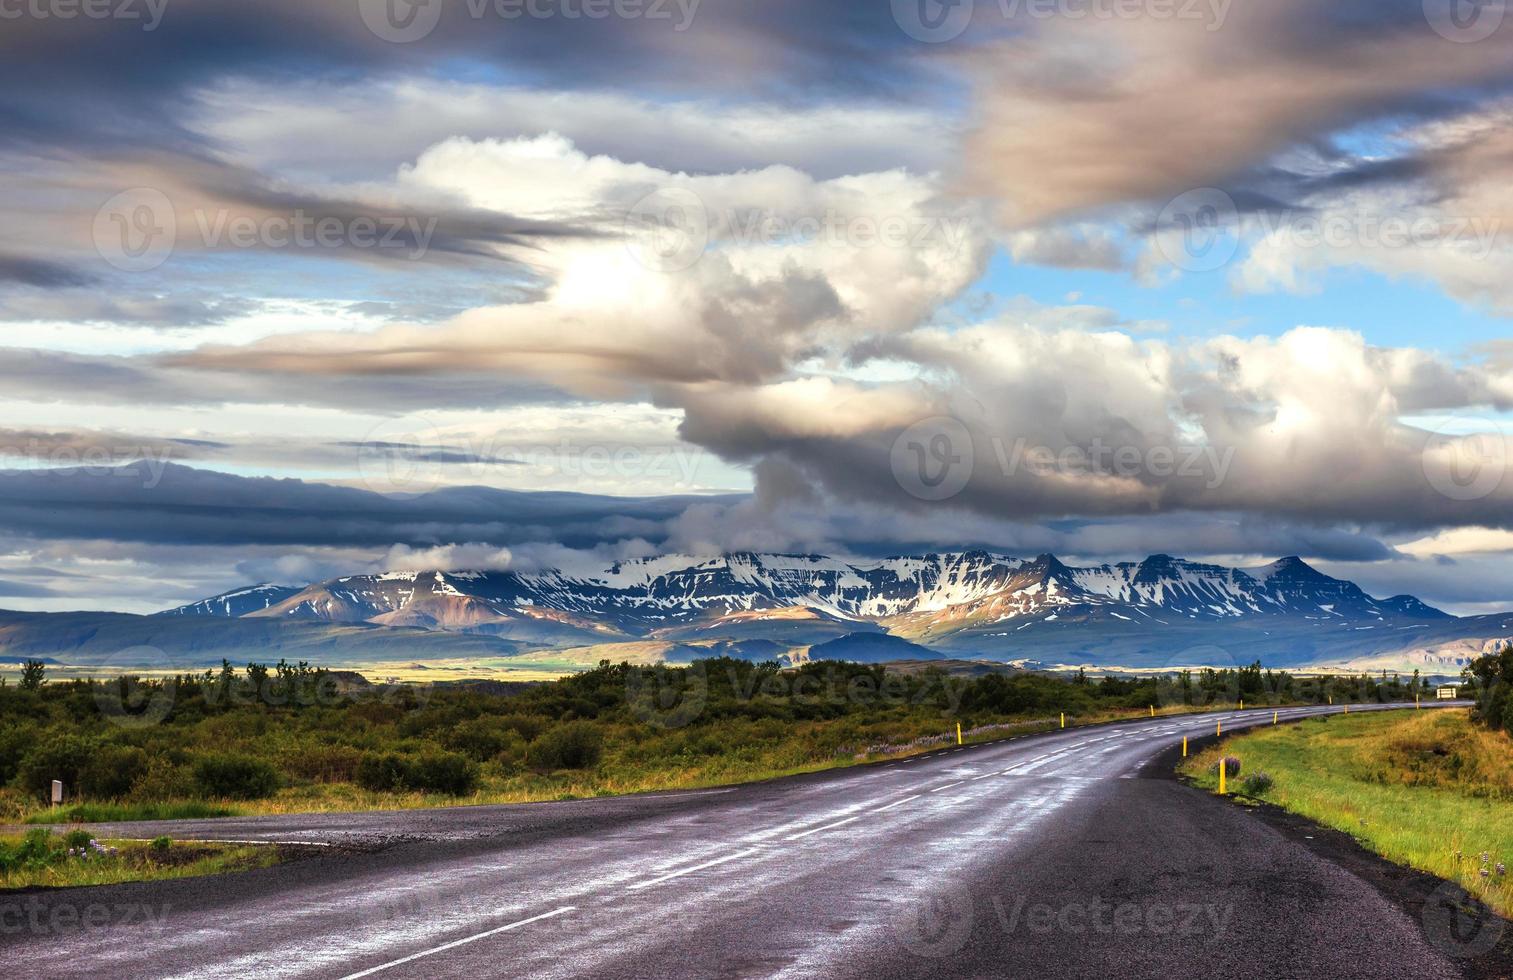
x,y
1071,854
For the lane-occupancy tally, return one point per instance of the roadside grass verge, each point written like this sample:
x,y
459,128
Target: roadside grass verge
x,y
125,812
634,762
42,859
1426,789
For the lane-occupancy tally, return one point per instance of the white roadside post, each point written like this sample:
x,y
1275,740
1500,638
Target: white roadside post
x,y
57,792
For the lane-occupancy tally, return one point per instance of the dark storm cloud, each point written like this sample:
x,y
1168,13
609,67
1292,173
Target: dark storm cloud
x,y
114,83
182,506
24,590
37,272
49,376
146,508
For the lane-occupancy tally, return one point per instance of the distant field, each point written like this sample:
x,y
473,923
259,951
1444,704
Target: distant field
x,y
1431,789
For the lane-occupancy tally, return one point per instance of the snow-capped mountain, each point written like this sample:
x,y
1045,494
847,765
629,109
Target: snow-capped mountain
x,y
241,602
913,596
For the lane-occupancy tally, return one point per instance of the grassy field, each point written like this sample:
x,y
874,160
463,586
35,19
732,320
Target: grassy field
x,y
1427,789
293,739
41,859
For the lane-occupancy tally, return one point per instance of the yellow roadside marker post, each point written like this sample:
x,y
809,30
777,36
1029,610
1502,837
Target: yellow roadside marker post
x,y
1184,746
1242,704
1063,719
1219,728
958,733
1153,711
1274,716
1223,781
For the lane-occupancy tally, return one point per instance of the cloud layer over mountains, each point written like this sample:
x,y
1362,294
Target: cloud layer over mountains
x,y
771,262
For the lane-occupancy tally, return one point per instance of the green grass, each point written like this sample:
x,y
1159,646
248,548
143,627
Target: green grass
x,y
43,860
124,812
1431,790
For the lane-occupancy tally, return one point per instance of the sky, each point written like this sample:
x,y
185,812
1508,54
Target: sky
x,y
294,290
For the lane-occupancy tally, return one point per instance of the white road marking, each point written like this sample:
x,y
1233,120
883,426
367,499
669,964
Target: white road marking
x,y
459,942
828,826
942,789
688,871
907,799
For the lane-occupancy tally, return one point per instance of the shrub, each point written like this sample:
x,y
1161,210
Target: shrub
x,y
440,772
443,772
1256,784
161,845
112,771
323,763
14,741
382,773
576,745
480,738
235,777
36,849
56,757
77,838
1231,767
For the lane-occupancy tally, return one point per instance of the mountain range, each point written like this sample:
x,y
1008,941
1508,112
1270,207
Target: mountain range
x,y
1161,611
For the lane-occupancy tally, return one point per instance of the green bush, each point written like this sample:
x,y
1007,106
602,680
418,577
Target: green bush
x,y
77,838
443,772
1256,784
575,745
235,777
434,772
1231,767
14,742
382,773
112,771
62,757
36,849
480,738
161,845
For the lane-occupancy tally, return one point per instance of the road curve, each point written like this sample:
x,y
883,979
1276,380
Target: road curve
x,y
1067,854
